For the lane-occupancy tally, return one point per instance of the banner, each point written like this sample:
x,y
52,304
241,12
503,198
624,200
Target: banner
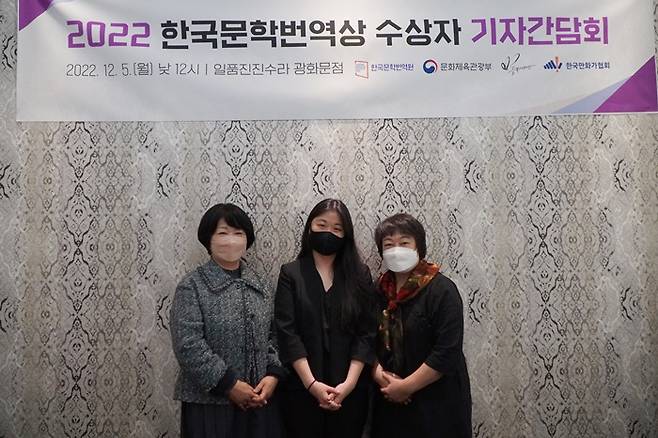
x,y
293,59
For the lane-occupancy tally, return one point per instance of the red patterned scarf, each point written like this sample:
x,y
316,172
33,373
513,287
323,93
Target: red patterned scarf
x,y
421,275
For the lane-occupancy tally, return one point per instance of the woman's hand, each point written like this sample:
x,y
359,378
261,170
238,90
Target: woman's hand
x,y
343,390
378,376
241,394
325,395
396,390
264,390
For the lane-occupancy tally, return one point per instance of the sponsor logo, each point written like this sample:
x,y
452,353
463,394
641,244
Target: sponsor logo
x,y
587,65
361,69
391,67
430,66
555,64
464,67
512,66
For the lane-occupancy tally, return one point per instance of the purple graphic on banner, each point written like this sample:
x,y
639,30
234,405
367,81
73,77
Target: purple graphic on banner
x,y
639,92
28,10
590,103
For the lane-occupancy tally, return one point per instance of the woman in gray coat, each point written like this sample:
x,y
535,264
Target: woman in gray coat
x,y
221,321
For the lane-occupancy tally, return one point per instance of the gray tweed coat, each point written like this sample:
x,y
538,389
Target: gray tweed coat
x,y
221,331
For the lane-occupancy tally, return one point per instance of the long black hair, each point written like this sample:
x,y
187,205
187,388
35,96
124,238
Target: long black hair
x,y
358,288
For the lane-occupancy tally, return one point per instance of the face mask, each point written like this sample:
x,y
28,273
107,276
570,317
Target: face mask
x,y
325,242
229,248
400,259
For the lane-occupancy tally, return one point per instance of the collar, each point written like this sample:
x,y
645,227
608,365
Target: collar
x,y
218,280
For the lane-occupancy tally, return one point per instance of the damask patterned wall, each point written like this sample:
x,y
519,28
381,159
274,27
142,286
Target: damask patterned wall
x,y
549,225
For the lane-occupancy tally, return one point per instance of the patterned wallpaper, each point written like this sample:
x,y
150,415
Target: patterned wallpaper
x,y
549,226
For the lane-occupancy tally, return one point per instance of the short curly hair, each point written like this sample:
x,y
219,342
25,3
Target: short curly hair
x,y
402,223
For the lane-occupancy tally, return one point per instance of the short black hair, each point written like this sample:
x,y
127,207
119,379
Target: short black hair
x,y
232,215
402,223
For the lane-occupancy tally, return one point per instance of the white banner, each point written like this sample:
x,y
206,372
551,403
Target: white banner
x,y
293,59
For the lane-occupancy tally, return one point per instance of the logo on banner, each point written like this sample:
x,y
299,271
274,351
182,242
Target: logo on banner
x,y
512,66
391,67
430,66
361,69
553,64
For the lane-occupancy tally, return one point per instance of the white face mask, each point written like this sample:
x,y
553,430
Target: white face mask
x,y
228,247
400,259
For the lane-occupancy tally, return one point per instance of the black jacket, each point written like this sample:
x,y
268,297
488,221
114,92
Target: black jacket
x,y
433,326
306,328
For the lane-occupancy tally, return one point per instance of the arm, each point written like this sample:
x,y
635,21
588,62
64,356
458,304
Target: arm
x,y
291,346
354,372
377,374
422,377
323,393
400,390
194,355
444,356
344,389
304,372
274,367
447,314
274,373
363,345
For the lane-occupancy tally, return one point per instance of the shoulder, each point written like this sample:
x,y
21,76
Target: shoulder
x,y
364,271
360,270
186,295
207,276
442,282
291,265
189,281
443,288
366,281
292,269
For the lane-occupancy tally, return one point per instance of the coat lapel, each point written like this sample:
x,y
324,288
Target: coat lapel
x,y
312,284
218,280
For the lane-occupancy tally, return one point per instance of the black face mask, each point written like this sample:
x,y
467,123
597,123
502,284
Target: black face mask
x,y
325,242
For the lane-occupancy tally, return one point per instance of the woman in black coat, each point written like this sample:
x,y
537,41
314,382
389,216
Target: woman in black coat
x,y
424,388
325,329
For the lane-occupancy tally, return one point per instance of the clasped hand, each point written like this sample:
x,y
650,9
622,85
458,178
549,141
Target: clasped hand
x,y
328,397
393,387
247,397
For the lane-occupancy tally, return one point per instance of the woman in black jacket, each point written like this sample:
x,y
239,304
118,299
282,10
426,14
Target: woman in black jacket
x,y
424,388
325,329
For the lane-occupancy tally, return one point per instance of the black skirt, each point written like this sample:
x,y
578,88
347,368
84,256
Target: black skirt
x,y
424,417
229,421
303,418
